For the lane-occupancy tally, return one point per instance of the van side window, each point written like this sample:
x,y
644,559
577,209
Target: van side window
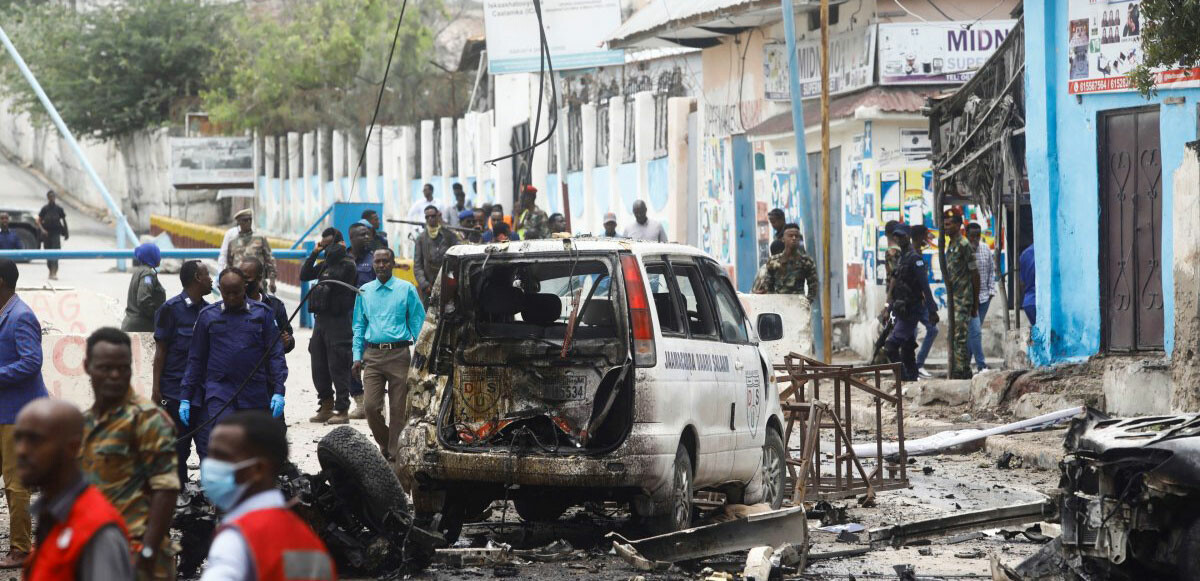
x,y
664,300
729,311
696,306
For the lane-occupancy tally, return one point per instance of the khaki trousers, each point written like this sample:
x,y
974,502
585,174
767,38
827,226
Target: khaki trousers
x,y
20,523
386,371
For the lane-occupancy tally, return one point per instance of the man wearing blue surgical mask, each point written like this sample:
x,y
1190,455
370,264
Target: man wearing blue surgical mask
x,y
260,537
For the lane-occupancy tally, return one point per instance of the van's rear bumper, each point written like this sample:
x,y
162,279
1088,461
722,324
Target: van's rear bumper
x,y
639,463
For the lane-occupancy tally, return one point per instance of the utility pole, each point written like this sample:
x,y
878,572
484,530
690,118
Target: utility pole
x,y
806,203
826,271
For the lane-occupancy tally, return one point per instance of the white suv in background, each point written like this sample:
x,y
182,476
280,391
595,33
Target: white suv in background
x,y
589,369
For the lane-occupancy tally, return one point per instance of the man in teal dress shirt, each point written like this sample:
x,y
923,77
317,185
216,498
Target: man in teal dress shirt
x,y
387,319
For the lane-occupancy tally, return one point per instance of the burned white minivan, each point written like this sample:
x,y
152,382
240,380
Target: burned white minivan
x,y
554,372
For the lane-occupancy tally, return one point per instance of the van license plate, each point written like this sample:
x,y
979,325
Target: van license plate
x,y
564,387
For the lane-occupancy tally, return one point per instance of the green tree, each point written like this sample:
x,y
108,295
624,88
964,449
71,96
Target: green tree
x,y
115,70
1170,38
320,64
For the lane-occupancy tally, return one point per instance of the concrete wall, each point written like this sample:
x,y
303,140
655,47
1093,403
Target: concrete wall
x,y
1061,152
1185,372
135,169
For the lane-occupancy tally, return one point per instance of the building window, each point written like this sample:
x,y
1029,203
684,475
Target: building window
x,y
629,148
602,134
574,138
814,17
660,125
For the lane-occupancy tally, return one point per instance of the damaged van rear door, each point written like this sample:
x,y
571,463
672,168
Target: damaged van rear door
x,y
540,350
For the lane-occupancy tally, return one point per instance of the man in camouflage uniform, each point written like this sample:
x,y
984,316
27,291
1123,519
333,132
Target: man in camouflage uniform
x,y
248,244
962,280
129,454
532,222
790,271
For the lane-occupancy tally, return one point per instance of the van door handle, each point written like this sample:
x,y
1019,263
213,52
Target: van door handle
x,y
732,408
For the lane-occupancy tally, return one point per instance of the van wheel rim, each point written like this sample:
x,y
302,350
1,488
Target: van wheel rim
x,y
772,467
683,500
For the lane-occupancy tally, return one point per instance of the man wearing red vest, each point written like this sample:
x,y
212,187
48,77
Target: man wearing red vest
x,y
259,538
80,535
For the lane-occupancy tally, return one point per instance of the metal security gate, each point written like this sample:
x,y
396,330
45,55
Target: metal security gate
x,y
1131,230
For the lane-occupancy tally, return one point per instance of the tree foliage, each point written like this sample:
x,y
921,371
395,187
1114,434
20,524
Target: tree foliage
x,y
1170,38
114,70
321,65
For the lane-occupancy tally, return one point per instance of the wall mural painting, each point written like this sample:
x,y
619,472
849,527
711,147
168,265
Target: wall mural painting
x,y
716,203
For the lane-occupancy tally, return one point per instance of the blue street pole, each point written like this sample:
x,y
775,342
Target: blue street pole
x,y
184,253
125,234
806,204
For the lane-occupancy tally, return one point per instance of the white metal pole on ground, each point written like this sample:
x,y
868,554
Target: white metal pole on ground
x,y
125,234
806,205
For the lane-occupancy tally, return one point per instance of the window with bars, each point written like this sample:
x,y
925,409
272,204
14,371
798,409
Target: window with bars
x,y
602,129
629,148
574,138
660,125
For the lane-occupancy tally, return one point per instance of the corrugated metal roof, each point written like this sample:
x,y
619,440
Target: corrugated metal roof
x,y
885,99
663,20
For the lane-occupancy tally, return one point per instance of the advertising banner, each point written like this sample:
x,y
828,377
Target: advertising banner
x,y
212,161
1104,43
927,53
575,31
851,65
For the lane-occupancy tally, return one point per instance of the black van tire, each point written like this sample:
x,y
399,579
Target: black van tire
x,y
774,470
361,476
677,511
540,510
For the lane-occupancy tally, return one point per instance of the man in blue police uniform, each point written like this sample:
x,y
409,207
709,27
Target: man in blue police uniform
x,y
230,338
173,324
362,250
256,291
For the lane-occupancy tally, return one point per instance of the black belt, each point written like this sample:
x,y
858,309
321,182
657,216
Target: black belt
x,y
387,346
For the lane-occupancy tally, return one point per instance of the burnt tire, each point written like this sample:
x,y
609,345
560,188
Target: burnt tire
x,y
774,470
541,510
677,512
360,476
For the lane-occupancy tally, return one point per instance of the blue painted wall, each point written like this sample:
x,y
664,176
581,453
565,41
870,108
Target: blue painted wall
x,y
1061,156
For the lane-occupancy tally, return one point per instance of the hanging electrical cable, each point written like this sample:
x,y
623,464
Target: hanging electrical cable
x,y
378,101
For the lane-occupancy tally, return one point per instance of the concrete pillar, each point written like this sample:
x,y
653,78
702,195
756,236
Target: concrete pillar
x,y
410,169
312,204
427,152
295,187
389,146
373,192
678,109
502,172
588,152
1185,373
616,155
446,151
339,167
483,152
541,159
643,110
268,202
325,193
463,132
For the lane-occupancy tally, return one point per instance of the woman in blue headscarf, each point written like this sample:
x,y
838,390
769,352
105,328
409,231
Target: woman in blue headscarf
x,y
146,294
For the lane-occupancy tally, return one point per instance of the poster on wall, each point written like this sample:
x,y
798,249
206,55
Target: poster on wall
x,y
212,161
1104,43
917,53
851,65
575,31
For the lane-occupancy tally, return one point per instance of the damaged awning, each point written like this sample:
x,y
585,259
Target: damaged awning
x,y
697,23
868,102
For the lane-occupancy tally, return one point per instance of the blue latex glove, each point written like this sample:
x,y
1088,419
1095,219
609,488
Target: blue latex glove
x,y
185,411
277,405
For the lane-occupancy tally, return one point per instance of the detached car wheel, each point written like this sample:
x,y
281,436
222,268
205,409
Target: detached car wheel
x,y
361,476
774,470
679,506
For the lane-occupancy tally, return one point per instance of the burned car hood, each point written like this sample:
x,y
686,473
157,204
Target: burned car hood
x,y
1169,445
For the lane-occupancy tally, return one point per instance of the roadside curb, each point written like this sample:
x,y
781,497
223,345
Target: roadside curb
x,y
1041,450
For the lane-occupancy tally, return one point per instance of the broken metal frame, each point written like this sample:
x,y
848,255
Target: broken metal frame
x,y
807,415
977,136
903,534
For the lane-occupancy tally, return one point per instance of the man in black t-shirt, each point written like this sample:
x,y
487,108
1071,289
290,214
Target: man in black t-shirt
x,y
52,221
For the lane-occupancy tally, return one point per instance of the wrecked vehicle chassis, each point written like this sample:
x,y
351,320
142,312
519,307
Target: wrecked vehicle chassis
x,y
1129,497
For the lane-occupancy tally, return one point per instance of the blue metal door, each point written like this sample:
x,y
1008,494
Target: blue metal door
x,y
744,217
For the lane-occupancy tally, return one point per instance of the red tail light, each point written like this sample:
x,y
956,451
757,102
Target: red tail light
x,y
644,354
